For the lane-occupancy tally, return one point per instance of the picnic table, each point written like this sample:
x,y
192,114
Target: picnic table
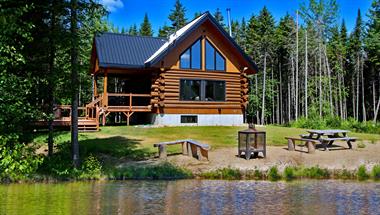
x,y
327,137
323,137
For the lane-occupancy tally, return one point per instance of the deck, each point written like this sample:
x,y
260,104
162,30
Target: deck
x,y
91,113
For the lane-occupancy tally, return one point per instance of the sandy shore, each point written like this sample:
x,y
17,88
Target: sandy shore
x,y
337,158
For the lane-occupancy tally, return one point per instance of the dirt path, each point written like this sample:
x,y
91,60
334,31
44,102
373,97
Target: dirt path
x,y
337,158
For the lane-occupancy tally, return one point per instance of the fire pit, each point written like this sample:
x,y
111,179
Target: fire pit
x,y
252,141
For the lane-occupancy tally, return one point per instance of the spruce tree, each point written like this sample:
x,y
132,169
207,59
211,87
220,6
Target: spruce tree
x,y
177,16
146,27
219,17
164,31
133,30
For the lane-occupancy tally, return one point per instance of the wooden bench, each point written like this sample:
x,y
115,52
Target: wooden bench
x,y
330,140
193,148
310,143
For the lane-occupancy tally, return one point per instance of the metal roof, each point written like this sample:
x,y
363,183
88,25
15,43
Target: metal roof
x,y
124,51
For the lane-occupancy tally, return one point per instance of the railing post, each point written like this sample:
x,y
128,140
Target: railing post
x,y
130,101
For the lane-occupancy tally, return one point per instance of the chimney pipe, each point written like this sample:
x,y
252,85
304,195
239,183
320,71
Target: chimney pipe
x,y
229,21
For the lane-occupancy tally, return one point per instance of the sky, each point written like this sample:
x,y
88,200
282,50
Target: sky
x,y
124,13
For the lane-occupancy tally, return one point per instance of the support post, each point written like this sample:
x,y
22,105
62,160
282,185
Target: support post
x,y
130,101
95,78
105,96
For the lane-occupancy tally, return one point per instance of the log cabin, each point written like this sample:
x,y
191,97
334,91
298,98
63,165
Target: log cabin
x,y
196,76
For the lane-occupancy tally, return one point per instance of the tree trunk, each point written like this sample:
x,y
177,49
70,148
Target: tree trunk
x,y
51,77
329,77
281,104
264,86
357,87
306,74
320,79
363,97
74,82
296,92
257,94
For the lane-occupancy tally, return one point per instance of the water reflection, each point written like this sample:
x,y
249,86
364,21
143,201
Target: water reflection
x,y
191,197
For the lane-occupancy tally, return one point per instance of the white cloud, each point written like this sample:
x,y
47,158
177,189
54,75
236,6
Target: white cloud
x,y
112,5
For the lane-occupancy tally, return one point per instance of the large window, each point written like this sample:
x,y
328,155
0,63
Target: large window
x,y
214,60
202,90
191,57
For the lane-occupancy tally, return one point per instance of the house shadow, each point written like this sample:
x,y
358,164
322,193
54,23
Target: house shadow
x,y
116,147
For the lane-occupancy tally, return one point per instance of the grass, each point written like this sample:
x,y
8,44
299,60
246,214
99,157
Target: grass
x,y
293,173
120,140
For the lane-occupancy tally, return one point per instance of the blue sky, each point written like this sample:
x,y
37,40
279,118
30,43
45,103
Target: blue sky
x,y
124,13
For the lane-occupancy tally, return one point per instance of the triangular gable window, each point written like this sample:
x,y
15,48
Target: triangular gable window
x,y
191,57
214,60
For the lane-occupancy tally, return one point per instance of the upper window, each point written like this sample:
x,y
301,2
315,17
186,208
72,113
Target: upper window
x,y
191,57
214,60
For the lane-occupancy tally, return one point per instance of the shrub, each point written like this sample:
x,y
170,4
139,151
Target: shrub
x,y
362,173
361,145
91,168
17,161
315,172
376,172
289,173
345,174
162,171
224,173
273,174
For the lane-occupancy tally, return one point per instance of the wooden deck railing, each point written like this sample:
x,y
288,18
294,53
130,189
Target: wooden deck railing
x,y
130,97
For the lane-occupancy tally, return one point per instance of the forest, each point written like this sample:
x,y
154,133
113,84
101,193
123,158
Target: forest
x,y
311,68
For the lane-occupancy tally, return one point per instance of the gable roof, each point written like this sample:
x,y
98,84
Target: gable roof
x,y
124,51
185,31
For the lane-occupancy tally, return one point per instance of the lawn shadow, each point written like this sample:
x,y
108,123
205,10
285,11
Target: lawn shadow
x,y
116,146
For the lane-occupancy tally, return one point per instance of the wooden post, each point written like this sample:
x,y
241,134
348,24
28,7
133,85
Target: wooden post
x,y
290,145
105,96
130,101
310,147
162,151
95,86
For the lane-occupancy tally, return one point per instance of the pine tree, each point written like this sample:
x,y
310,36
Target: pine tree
x,y
146,27
177,16
219,17
133,30
356,55
197,14
164,31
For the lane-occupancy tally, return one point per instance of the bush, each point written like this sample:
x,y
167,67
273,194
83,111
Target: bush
x,y
289,173
156,172
317,122
224,173
315,173
362,173
361,145
376,172
17,161
273,174
90,168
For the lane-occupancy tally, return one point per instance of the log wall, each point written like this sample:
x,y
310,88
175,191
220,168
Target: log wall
x,y
165,93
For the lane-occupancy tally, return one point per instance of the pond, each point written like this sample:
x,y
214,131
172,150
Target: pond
x,y
192,197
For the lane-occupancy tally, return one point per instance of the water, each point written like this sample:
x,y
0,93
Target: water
x,y
192,197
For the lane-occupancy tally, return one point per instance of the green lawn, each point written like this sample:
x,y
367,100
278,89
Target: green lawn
x,y
137,142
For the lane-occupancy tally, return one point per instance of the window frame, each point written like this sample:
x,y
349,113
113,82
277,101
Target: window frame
x,y
202,90
214,56
190,56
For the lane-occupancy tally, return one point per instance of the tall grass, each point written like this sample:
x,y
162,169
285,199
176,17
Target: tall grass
x,y
317,122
